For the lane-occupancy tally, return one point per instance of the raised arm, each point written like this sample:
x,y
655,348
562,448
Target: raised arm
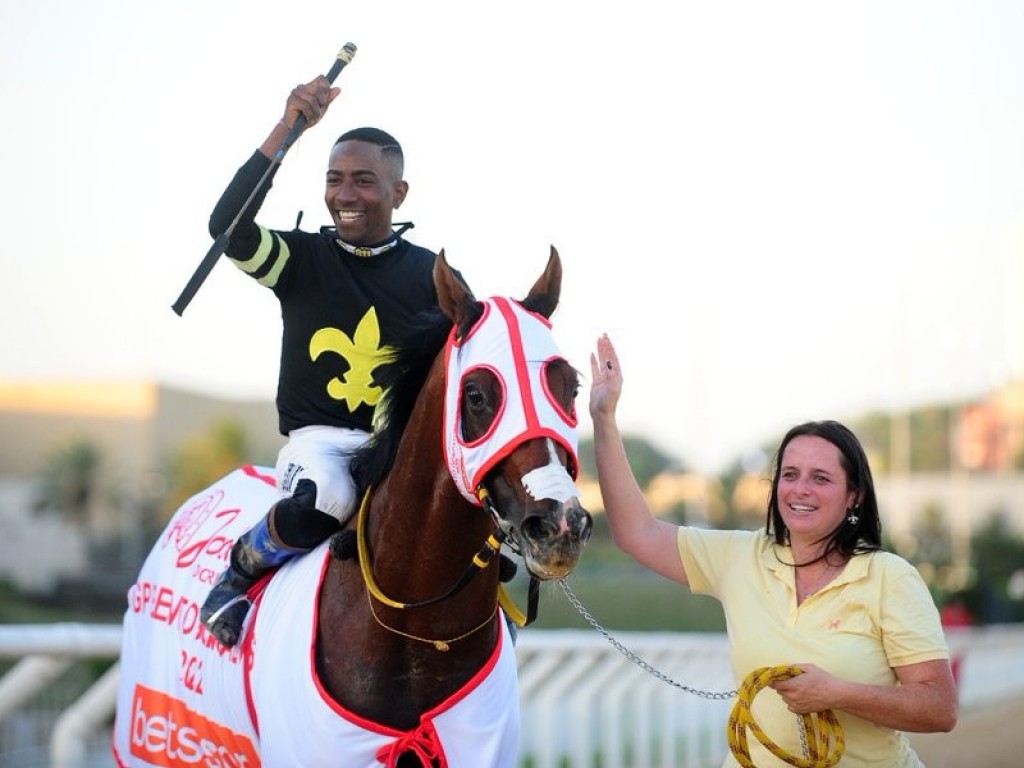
x,y
635,530
311,100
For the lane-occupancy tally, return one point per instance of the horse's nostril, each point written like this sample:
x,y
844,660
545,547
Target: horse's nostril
x,y
576,526
537,528
586,529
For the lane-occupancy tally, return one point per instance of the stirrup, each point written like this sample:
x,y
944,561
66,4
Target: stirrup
x,y
226,607
226,622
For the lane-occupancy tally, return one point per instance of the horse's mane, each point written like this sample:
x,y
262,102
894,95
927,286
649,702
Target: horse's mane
x,y
402,377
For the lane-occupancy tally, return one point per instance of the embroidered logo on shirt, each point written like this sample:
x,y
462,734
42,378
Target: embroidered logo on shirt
x,y
362,352
288,479
834,624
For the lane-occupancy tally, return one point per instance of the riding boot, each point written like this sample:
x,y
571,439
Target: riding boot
x,y
253,555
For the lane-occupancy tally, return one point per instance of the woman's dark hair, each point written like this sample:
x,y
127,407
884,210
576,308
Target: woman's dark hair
x,y
848,538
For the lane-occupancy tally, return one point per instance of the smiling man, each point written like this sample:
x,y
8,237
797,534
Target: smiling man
x,y
344,293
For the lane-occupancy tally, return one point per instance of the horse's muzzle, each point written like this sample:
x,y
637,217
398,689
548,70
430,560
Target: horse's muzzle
x,y
552,543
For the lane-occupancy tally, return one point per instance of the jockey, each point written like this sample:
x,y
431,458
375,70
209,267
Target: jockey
x,y
344,293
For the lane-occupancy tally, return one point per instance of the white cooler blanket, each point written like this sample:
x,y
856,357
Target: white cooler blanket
x,y
186,701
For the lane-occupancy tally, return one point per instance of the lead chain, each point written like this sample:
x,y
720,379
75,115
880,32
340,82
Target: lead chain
x,y
824,761
712,695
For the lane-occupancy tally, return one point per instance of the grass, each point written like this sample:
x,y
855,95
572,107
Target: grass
x,y
621,595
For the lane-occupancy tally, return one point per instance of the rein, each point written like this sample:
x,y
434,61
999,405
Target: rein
x,y
480,561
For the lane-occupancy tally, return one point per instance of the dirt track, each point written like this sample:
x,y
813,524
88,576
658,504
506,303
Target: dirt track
x,y
987,738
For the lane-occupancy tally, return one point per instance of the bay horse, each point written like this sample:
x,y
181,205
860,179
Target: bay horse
x,y
388,645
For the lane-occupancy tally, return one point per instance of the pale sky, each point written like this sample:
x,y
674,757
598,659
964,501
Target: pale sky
x,y
778,210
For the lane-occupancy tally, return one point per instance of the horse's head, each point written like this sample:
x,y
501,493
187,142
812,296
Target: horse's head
x,y
510,418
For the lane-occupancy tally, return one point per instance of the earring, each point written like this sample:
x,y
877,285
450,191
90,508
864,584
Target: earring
x,y
851,516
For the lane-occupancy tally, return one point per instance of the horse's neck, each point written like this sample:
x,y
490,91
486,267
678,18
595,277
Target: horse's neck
x,y
381,662
423,531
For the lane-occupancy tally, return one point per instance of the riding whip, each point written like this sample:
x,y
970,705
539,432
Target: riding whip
x,y
345,55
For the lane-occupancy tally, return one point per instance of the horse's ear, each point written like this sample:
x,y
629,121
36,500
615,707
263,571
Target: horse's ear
x,y
453,295
543,297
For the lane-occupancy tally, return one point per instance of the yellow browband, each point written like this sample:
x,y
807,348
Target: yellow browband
x,y
824,740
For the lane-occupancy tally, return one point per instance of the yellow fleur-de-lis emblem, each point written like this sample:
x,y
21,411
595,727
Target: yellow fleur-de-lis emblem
x,y
363,354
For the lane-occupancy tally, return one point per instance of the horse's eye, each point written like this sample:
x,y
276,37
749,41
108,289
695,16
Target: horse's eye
x,y
474,398
572,388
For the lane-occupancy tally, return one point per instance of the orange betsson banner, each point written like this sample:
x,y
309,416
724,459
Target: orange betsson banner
x,y
165,732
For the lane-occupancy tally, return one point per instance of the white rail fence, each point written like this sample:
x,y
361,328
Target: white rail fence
x,y
584,703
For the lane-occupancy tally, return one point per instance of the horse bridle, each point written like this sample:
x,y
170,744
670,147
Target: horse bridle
x,y
503,533
506,533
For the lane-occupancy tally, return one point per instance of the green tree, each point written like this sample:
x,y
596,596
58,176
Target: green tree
x,y
205,458
930,439
934,542
997,553
70,481
646,459
875,433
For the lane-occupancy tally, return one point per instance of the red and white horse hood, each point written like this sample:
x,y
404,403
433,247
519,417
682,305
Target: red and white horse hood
x,y
517,346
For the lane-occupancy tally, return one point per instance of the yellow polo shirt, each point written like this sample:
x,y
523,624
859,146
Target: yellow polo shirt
x,y
876,615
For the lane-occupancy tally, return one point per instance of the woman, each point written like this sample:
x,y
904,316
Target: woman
x,y
813,589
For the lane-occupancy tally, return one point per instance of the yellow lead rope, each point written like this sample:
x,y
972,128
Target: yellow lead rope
x,y
821,732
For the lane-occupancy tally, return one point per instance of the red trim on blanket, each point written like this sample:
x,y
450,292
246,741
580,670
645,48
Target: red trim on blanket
x,y
481,675
252,471
256,596
248,648
117,755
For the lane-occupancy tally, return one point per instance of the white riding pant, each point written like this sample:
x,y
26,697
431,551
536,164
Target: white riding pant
x,y
322,454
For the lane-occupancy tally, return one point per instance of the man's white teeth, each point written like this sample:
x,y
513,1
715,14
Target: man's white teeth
x,y
348,215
